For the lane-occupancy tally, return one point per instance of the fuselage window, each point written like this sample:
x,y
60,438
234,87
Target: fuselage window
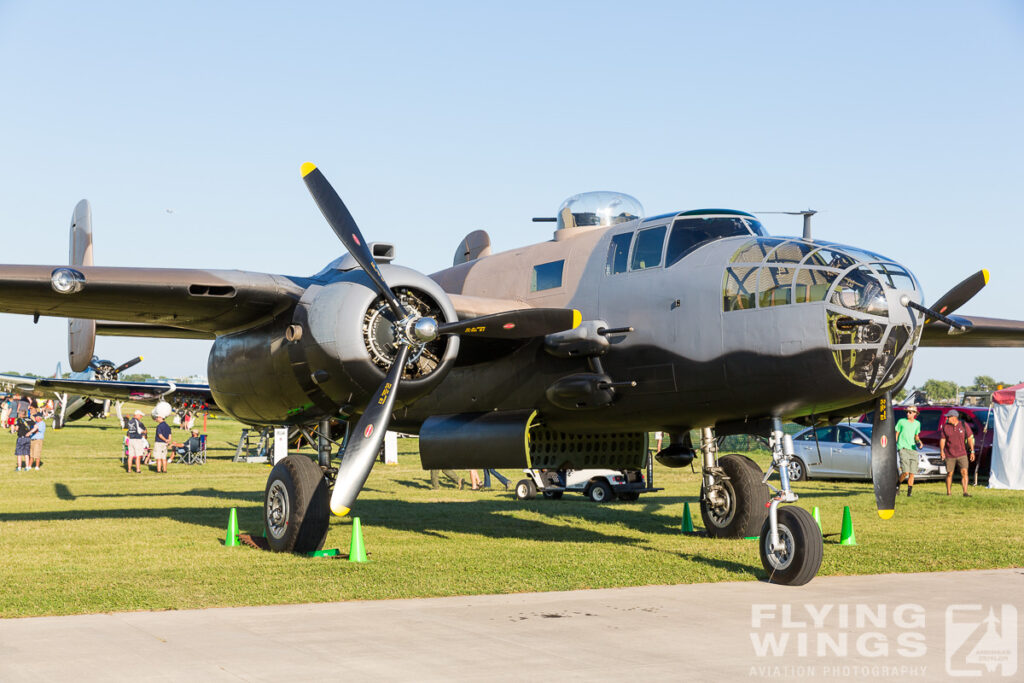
x,y
692,232
775,286
790,252
739,289
647,248
894,277
832,259
618,254
547,276
755,251
812,284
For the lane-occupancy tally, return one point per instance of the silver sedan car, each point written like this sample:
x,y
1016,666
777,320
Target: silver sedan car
x,y
843,451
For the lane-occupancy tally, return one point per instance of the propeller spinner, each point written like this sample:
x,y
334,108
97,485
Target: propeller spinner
x,y
411,332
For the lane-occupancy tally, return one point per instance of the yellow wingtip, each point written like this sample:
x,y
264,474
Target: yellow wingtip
x,y
577,318
984,274
885,514
307,168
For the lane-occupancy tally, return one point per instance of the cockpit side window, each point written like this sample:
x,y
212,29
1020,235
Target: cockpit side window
x,y
647,250
692,232
618,254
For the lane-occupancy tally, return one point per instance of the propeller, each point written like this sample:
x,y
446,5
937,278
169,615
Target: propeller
x,y
106,370
344,226
961,293
365,440
411,333
884,473
127,364
942,310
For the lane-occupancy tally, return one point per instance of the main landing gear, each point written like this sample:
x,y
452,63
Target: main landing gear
x,y
736,502
296,501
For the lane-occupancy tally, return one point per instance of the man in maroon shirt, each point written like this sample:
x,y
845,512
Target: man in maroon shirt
x,y
955,440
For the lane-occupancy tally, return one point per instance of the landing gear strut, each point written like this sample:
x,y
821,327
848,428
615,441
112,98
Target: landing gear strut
x,y
733,498
791,545
736,501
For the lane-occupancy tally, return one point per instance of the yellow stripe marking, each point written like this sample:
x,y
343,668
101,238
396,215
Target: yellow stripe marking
x,y
341,511
885,514
577,318
984,274
307,168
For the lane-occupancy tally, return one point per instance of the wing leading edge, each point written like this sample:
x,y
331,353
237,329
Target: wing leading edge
x,y
980,332
139,392
202,302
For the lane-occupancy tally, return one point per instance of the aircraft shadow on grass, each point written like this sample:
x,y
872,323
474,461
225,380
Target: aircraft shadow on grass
x,y
487,518
64,493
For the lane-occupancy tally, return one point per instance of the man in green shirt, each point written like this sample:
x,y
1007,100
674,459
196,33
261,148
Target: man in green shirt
x,y
908,437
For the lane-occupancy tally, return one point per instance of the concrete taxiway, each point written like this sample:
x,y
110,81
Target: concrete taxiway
x,y
922,627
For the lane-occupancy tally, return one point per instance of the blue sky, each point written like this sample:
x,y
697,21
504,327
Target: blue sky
x,y
900,122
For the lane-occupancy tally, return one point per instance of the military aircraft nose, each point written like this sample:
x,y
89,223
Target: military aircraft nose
x,y
872,332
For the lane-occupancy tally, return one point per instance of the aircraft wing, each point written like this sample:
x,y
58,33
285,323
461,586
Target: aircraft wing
x,y
18,383
981,332
139,392
196,301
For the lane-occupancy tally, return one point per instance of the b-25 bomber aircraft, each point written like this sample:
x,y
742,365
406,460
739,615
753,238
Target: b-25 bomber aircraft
x,y
558,355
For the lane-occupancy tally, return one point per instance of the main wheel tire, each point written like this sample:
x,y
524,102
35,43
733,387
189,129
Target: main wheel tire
x,y
553,495
601,492
799,562
797,469
746,500
296,506
526,489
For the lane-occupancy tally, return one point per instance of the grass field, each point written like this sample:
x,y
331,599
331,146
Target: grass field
x,y
81,535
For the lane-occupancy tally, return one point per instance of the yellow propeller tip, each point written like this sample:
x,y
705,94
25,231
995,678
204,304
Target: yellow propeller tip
x,y
307,168
340,511
885,514
577,318
984,274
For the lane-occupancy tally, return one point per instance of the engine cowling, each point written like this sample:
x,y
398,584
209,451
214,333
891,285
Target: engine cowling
x,y
331,352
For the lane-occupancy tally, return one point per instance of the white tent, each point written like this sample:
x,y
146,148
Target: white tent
x,y
1008,440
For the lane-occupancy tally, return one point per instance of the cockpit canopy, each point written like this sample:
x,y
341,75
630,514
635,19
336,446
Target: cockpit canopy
x,y
598,209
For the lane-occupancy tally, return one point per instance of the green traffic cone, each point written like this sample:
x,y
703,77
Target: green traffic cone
x,y
356,551
231,537
816,513
687,520
847,537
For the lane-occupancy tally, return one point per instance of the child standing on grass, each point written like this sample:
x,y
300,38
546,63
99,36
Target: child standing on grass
x,y
22,426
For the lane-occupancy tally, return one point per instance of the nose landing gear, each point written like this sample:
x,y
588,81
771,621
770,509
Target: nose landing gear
x,y
791,545
737,502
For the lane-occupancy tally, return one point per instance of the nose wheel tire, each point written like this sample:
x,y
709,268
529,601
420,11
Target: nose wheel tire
x,y
295,506
800,558
743,507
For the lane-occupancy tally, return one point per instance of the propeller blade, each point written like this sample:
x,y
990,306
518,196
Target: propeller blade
x,y
344,226
365,440
960,294
127,364
884,472
521,324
